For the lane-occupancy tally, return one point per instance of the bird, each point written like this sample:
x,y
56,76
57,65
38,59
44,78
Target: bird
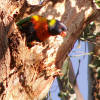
x,y
39,28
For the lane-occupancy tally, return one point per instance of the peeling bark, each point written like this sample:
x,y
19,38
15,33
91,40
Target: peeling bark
x,y
27,74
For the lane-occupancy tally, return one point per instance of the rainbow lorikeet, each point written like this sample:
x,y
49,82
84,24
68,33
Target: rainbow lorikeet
x,y
39,28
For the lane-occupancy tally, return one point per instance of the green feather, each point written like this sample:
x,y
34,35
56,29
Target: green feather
x,y
19,23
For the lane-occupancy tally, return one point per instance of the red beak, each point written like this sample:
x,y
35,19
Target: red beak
x,y
63,34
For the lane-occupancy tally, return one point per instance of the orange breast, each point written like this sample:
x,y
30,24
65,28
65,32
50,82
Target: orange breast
x,y
41,28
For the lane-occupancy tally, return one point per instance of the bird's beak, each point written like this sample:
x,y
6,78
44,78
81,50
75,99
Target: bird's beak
x,y
63,34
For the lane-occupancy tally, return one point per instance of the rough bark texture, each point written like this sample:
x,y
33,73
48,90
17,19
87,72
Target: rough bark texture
x,y
27,74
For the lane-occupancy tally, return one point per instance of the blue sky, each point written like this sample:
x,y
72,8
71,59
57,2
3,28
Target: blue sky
x,y
82,78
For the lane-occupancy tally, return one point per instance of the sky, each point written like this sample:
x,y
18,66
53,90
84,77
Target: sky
x,y
82,78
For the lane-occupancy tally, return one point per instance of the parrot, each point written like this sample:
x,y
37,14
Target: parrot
x,y
39,28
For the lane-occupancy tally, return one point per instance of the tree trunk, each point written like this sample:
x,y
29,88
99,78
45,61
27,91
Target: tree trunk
x,y
27,74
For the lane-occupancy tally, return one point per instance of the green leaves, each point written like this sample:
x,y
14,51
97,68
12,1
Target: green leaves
x,y
97,2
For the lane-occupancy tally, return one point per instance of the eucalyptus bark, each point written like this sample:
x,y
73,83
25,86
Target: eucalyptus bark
x,y
27,74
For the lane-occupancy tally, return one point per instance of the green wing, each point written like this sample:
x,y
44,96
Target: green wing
x,y
23,21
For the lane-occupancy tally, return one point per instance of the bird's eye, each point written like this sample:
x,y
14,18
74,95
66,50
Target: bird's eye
x,y
62,29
